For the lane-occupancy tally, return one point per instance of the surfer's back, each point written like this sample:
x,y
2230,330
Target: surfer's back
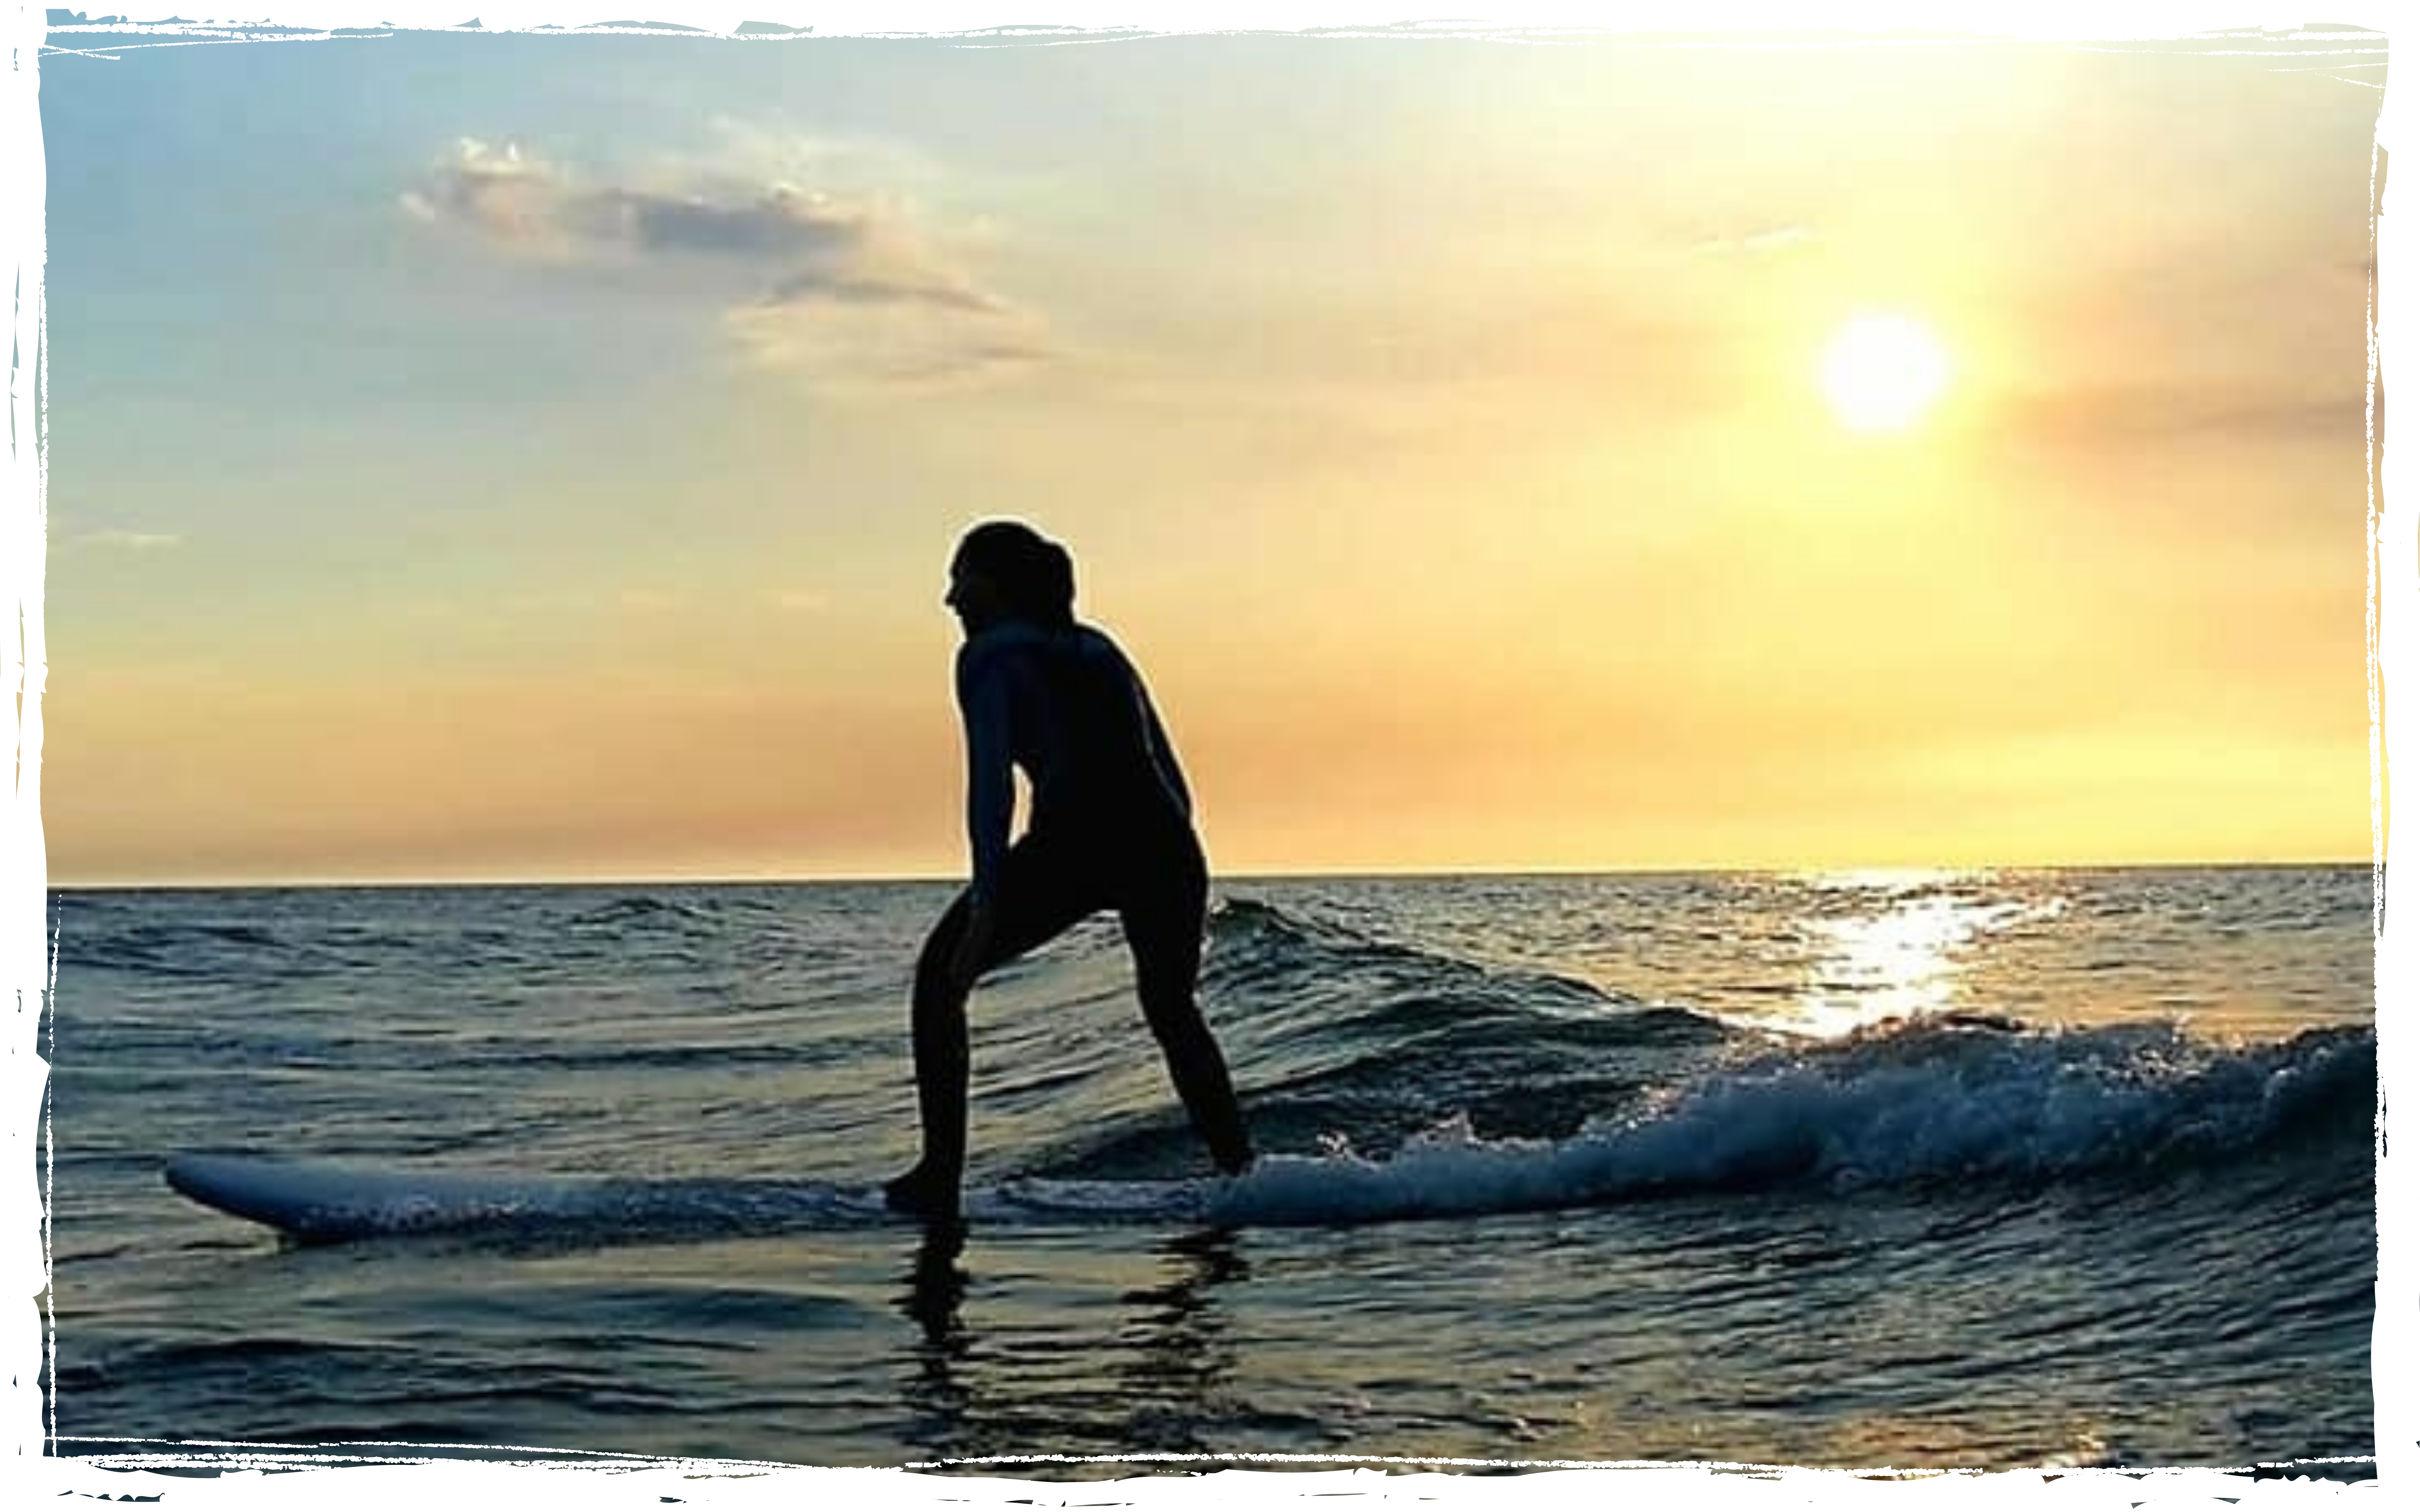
x,y
1080,722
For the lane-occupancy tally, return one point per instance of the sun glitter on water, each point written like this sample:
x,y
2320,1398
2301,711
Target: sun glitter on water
x,y
1884,372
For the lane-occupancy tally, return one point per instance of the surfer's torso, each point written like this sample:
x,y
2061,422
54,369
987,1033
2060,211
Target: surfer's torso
x,y
1066,707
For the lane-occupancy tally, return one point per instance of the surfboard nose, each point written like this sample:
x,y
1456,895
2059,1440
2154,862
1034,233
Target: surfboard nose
x,y
292,1198
215,1181
208,1179
193,1175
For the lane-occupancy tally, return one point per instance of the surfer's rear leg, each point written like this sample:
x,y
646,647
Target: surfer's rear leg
x,y
1200,1073
1166,944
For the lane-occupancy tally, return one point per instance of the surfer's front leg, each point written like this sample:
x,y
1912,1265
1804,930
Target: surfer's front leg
x,y
938,1027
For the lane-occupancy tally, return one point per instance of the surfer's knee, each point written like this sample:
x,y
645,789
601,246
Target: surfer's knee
x,y
936,996
941,941
934,993
932,986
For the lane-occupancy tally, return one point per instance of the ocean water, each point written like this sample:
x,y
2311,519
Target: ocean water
x,y
1983,1169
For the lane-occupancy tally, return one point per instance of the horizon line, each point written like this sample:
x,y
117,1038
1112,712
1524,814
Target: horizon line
x,y
1282,874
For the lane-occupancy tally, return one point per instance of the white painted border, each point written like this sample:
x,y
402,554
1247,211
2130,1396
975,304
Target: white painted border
x,y
25,941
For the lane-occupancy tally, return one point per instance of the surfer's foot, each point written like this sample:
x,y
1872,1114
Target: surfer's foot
x,y
1231,1145
923,1192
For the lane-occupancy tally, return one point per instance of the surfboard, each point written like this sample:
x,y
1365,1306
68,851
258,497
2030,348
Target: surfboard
x,y
316,1200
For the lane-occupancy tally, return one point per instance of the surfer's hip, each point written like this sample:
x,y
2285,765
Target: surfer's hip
x,y
1152,848
1145,823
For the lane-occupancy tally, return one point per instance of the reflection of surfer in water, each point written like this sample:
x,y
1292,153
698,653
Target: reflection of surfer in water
x,y
1111,828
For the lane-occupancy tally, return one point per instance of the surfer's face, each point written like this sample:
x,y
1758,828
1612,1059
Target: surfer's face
x,y
974,597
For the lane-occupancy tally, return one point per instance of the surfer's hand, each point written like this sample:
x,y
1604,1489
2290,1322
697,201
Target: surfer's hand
x,y
974,942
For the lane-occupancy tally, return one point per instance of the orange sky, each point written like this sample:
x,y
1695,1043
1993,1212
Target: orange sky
x,y
1449,447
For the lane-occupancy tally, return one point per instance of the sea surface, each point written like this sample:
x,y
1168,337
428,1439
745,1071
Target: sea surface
x,y
1977,1169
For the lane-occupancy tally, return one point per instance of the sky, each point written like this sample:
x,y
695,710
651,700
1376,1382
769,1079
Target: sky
x,y
511,457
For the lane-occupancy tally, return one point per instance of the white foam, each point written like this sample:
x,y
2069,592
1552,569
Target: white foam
x,y
1977,1108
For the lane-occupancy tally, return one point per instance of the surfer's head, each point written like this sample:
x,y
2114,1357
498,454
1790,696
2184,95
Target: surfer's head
x,y
1005,569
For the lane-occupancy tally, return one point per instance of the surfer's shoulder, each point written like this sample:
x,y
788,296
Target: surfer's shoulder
x,y
1000,651
1093,641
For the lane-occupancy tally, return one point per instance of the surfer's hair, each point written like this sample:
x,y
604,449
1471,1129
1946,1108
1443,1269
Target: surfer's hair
x,y
1034,574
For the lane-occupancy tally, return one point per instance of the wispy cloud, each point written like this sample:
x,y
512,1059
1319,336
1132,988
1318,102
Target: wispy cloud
x,y
836,344
130,540
2199,412
802,601
843,286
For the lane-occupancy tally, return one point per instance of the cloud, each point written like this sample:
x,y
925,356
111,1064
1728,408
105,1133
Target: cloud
x,y
781,224
2150,413
514,201
840,337
880,288
843,287
802,601
130,540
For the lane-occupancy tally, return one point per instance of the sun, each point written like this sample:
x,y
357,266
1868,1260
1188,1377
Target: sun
x,y
1883,371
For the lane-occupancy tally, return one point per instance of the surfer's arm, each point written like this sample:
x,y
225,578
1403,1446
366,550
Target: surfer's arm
x,y
991,789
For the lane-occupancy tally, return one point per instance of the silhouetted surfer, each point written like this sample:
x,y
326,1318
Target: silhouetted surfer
x,y
1111,828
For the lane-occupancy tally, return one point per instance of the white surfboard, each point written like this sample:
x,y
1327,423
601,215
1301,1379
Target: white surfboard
x,y
319,1200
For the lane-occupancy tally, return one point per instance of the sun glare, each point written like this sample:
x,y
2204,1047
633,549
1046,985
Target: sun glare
x,y
1883,372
